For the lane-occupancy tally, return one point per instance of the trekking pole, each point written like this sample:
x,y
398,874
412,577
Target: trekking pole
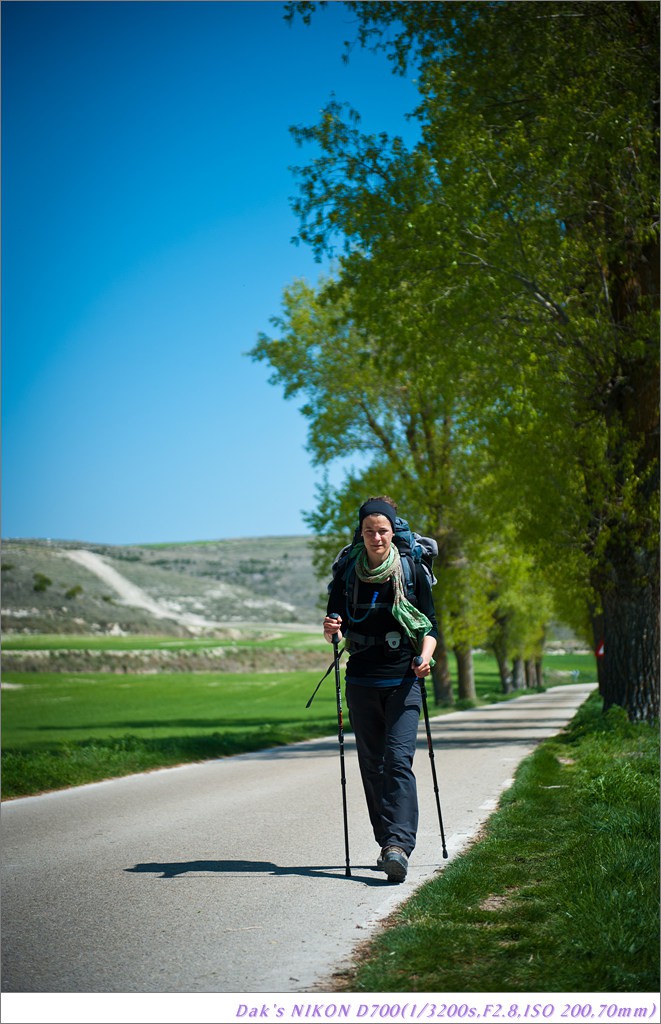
x,y
423,690
340,736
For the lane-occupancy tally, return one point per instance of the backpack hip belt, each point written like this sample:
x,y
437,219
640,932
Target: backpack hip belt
x,y
356,642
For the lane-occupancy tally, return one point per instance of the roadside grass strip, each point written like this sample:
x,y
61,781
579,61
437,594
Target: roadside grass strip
x,y
560,893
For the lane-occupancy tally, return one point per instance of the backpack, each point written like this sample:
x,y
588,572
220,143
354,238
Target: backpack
x,y
413,548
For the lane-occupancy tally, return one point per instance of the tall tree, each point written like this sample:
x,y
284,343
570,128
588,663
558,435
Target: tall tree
x,y
411,424
528,219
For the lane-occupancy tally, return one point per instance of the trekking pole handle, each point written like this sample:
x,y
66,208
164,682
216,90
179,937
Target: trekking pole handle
x,y
334,637
419,660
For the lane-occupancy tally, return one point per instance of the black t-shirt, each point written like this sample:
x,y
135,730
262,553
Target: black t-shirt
x,y
380,650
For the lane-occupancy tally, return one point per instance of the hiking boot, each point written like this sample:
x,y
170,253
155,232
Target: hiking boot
x,y
394,862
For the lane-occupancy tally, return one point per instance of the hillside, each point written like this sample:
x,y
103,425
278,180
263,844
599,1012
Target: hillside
x,y
201,588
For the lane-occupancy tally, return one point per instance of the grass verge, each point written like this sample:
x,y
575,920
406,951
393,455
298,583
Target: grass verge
x,y
560,894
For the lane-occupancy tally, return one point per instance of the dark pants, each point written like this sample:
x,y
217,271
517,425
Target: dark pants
x,y
385,724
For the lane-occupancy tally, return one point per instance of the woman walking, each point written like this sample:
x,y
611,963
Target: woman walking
x,y
385,633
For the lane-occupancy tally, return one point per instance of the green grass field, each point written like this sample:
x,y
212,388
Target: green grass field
x,y
67,729
63,729
67,642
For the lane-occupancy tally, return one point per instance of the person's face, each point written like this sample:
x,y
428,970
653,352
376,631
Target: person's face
x,y
377,535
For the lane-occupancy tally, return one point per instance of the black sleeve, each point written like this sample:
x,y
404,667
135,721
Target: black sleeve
x,y
336,598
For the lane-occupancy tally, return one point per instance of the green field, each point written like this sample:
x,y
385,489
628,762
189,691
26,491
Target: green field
x,y
64,642
52,708
67,728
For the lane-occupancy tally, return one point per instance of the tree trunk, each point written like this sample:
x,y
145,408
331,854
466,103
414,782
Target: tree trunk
x,y
504,671
518,674
442,681
630,568
440,672
630,664
597,621
529,668
539,674
499,648
465,675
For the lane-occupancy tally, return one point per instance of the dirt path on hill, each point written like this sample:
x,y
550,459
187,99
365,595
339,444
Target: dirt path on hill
x,y
133,595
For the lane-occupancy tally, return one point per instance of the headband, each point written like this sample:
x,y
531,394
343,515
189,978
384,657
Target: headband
x,y
376,507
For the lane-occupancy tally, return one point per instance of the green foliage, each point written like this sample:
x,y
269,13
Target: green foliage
x,y
509,263
423,440
522,602
41,582
74,591
561,891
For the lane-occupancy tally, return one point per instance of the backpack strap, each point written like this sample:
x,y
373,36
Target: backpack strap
x,y
360,640
409,575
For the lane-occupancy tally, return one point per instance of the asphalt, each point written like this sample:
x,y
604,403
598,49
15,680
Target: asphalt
x,y
230,876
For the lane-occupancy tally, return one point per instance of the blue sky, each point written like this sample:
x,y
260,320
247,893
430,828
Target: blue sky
x,y
146,241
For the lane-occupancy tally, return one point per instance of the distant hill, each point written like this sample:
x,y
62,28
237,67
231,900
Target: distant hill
x,y
159,589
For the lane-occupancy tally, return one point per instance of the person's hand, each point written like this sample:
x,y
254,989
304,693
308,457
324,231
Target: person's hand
x,y
332,624
420,666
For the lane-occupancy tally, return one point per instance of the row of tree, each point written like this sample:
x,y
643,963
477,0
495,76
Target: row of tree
x,y
488,341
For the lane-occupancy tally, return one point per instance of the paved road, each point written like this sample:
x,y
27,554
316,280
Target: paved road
x,y
229,876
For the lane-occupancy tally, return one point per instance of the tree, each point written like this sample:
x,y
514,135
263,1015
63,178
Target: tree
x,y
523,609
528,219
424,445
406,420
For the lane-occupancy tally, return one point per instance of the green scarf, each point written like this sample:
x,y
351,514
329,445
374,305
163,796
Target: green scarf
x,y
415,623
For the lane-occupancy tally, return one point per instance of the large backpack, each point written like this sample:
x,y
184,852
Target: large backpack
x,y
413,548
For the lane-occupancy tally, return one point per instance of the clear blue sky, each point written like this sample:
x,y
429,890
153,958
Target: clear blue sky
x,y
146,241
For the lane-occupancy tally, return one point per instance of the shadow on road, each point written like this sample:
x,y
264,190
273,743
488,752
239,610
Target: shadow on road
x,y
368,876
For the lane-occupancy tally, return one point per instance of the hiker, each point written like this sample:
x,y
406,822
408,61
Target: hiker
x,y
384,631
